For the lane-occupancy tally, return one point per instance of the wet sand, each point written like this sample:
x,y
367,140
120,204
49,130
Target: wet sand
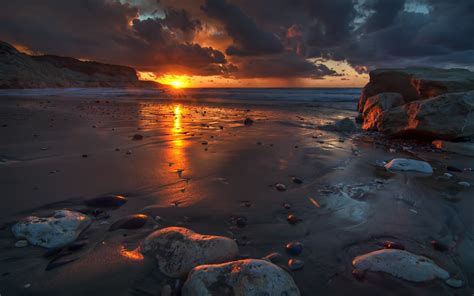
x,y
200,167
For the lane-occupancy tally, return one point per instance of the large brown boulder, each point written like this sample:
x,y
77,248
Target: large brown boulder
x,y
446,117
375,105
417,83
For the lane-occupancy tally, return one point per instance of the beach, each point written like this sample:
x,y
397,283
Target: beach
x,y
192,162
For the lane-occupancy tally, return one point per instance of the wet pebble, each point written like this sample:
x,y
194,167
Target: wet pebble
x,y
453,169
248,121
287,206
280,187
439,246
137,137
454,283
297,181
107,201
294,248
295,264
292,219
128,152
464,184
84,155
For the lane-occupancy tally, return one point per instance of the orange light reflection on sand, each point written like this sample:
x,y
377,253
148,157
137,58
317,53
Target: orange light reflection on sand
x,y
132,255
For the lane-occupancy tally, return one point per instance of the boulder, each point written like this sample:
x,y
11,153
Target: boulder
x,y
409,165
445,117
375,105
178,250
417,83
56,231
401,264
243,277
464,148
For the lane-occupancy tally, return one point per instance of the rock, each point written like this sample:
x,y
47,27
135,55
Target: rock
x,y
56,231
294,248
453,169
295,264
297,181
409,165
280,187
463,148
439,246
178,250
274,257
345,125
21,243
242,277
401,264
446,117
464,184
292,219
107,201
416,83
129,222
248,121
376,105
137,137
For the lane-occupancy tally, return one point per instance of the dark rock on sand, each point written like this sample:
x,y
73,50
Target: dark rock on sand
x,y
297,180
345,125
248,121
294,248
177,250
108,201
242,277
295,264
280,187
60,260
292,219
129,222
137,137
393,245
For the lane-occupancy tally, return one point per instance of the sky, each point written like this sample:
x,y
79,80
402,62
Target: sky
x,y
248,43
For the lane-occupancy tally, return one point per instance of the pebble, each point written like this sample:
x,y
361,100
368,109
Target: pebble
x,y
248,121
454,283
280,187
21,243
128,152
84,155
26,286
295,264
137,137
241,222
287,206
106,201
292,219
464,184
294,248
448,175
297,181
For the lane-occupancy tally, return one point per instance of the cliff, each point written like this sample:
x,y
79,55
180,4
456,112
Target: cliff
x,y
18,70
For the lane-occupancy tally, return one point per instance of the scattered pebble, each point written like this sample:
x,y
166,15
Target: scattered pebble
x,y
21,243
464,184
292,219
454,283
280,187
248,121
297,181
84,155
295,264
128,152
294,248
137,137
287,206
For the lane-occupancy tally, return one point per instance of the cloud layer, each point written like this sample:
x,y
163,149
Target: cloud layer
x,y
247,38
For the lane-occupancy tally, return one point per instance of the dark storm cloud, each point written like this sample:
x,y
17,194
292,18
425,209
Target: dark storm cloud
x,y
249,39
265,38
111,32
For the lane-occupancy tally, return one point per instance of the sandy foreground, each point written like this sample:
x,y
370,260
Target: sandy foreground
x,y
198,166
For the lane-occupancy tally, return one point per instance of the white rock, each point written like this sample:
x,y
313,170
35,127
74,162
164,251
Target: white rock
x,y
455,283
21,243
402,264
242,277
59,230
409,165
464,184
178,250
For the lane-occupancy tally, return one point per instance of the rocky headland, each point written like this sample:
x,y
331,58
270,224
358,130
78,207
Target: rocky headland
x,y
19,70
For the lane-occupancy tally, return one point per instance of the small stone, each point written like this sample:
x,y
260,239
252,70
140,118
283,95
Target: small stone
x,y
248,121
137,137
204,143
166,290
453,169
21,243
464,184
241,222
287,206
409,165
128,152
84,155
294,248
295,264
297,181
292,219
448,175
274,257
117,149
280,187
26,286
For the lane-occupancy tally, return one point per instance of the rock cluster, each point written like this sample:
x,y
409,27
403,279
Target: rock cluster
x,y
427,102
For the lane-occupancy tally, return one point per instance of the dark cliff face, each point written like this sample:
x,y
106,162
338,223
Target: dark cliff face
x,y
18,70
